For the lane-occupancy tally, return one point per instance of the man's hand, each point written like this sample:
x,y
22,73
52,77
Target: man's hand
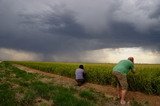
x,y
133,71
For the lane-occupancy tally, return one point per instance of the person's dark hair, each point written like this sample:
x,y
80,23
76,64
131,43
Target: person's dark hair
x,y
81,66
131,59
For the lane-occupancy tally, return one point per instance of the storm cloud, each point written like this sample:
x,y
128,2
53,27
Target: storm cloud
x,y
54,27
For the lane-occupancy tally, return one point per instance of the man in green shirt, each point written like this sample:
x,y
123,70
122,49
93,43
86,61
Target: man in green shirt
x,y
120,71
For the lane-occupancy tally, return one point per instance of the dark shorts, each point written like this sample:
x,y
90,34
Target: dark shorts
x,y
121,80
80,81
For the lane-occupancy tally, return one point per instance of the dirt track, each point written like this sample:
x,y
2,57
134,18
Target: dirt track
x,y
109,90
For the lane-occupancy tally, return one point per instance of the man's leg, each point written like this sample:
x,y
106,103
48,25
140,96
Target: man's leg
x,y
124,85
119,92
119,88
82,81
78,82
123,95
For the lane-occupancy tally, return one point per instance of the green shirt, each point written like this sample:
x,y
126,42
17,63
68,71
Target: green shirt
x,y
124,66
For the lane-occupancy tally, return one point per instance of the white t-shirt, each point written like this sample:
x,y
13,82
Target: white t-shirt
x,y
79,73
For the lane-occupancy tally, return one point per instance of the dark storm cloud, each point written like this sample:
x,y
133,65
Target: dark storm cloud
x,y
64,26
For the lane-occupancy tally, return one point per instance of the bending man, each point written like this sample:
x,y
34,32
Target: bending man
x,y
120,71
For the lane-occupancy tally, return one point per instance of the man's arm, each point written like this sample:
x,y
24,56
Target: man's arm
x,y
132,69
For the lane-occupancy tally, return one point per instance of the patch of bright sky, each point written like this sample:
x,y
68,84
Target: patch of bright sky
x,y
18,55
115,55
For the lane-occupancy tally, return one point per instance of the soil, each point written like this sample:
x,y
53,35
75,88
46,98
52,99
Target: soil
x,y
153,100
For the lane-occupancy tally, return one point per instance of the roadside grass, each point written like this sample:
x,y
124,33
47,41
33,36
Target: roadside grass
x,y
6,95
135,103
87,94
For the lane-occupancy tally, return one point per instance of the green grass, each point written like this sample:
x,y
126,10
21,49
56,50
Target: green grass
x,y
88,94
6,95
135,103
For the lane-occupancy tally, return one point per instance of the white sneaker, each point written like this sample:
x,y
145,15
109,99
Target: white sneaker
x,y
123,102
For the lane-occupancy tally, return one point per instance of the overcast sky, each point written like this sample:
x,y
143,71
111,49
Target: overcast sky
x,y
80,30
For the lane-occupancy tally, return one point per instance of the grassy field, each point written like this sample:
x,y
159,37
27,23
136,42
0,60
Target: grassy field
x,y
19,88
146,79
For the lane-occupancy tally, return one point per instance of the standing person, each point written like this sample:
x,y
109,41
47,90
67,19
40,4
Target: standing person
x,y
120,71
80,75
